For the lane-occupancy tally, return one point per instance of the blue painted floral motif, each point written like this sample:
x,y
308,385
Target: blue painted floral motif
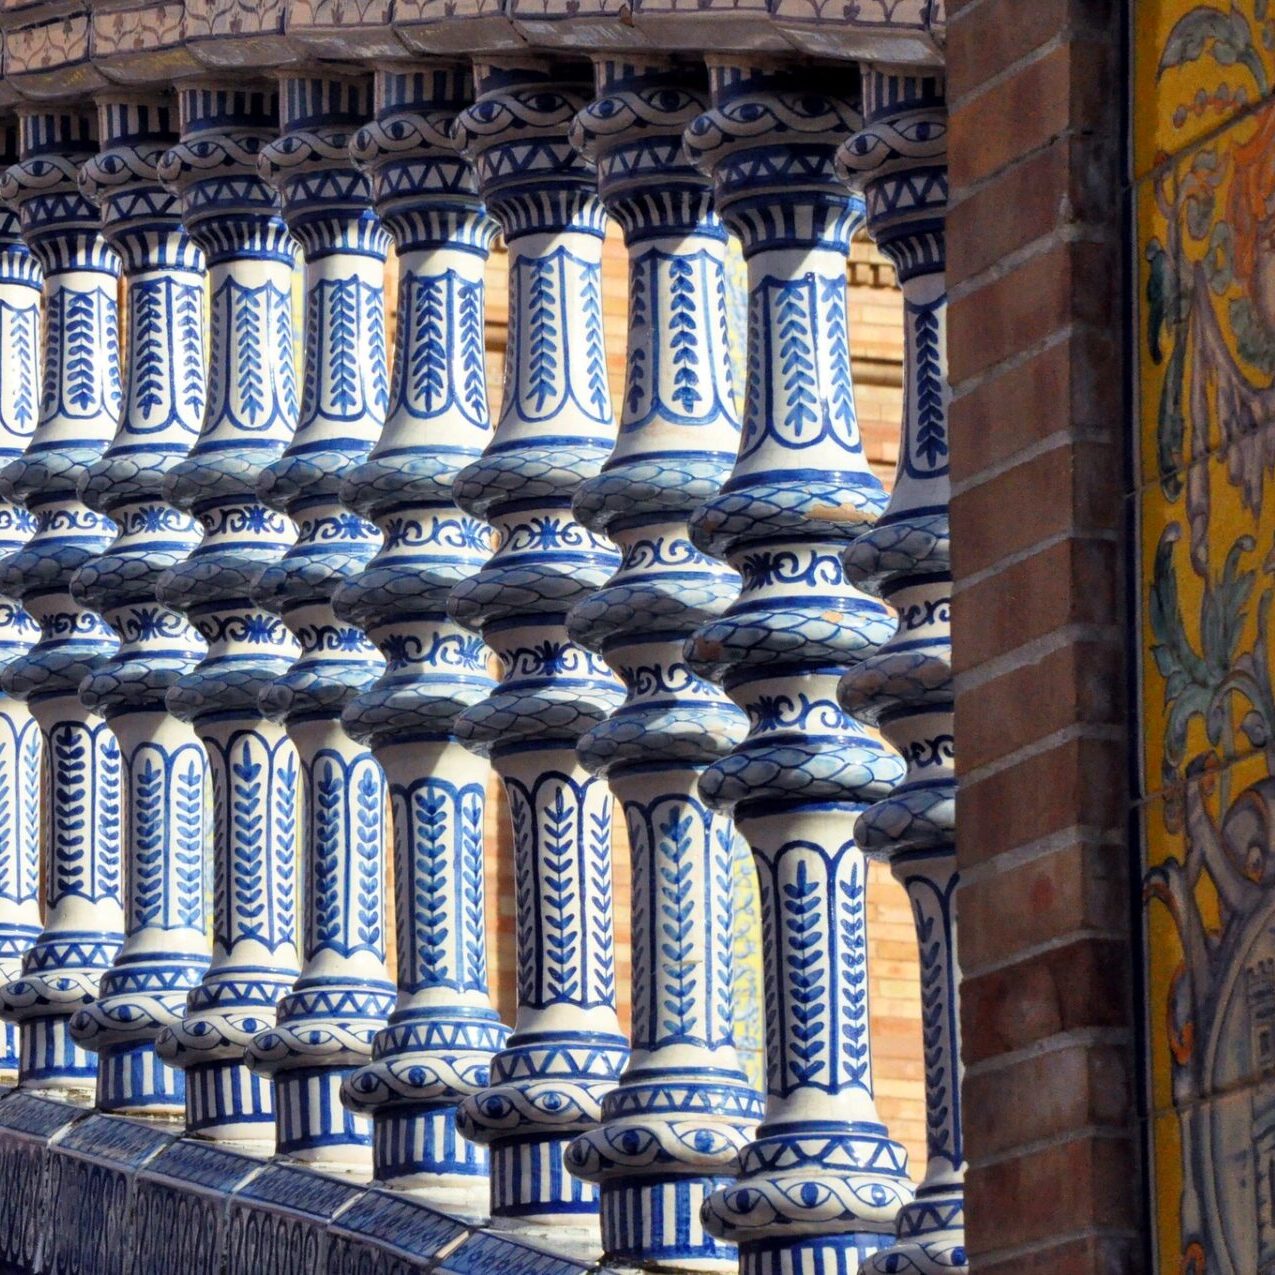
x,y
674,1125
249,417
906,688
437,1045
165,946
821,1184
555,430
20,742
83,917
341,996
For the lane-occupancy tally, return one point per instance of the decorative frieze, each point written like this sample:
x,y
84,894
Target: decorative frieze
x,y
822,1182
438,1044
898,159
20,747
79,406
165,768
556,430
326,1022
249,419
673,1128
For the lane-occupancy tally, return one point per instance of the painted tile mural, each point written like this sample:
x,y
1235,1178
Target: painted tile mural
x,y
1204,159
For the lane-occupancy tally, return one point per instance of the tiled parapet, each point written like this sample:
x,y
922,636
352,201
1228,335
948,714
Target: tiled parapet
x,y
165,769
438,1044
326,1022
249,419
899,160
79,406
20,750
556,430
673,1128
821,1184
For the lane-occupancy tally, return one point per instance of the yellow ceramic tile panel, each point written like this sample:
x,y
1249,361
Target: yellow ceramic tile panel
x,y
1205,311
1196,65
1205,315
1207,571
1210,1014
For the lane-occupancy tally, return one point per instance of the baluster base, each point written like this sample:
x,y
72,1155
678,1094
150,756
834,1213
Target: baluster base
x,y
424,1063
49,1058
311,1125
419,1147
9,1055
931,1239
818,1185
838,1255
658,1225
131,1080
531,1186
225,1102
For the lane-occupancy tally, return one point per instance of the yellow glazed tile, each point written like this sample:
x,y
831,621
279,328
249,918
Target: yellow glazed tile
x,y
1196,65
1166,1183
1206,592
1205,303
1209,933
1216,1217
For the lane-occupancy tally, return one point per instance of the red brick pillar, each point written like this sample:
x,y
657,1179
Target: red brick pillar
x,y
1038,418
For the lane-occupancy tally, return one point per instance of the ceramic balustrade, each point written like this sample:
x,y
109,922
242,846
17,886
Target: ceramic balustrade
x,y
20,747
437,1047
899,161
249,418
79,406
674,1126
555,430
822,1182
165,768
343,994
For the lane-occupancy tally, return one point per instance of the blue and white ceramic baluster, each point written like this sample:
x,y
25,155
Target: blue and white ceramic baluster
x,y
822,1183
438,1044
343,994
249,418
898,160
674,1126
556,429
165,769
20,749
79,407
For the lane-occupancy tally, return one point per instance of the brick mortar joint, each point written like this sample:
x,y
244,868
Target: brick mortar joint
x,y
1070,33
1065,332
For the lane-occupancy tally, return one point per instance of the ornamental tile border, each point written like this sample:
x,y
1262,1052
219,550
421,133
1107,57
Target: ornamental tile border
x,y
183,1206
61,48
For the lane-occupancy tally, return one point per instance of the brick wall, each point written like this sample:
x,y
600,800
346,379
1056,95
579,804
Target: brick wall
x,y
1035,250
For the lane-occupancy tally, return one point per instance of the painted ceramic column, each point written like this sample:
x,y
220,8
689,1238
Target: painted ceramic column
x,y
673,1128
821,1184
20,750
555,430
165,770
249,418
79,406
326,1022
438,1044
899,162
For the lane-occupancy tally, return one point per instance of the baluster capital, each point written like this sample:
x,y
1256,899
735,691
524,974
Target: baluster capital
x,y
517,136
60,225
425,191
769,143
898,159
632,133
227,207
